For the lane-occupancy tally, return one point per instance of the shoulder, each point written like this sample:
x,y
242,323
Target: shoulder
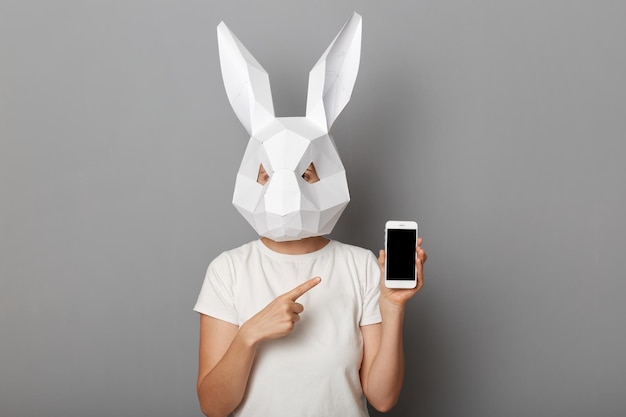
x,y
230,258
360,258
242,251
363,266
353,251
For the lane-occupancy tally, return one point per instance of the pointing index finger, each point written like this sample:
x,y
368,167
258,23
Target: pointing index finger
x,y
297,292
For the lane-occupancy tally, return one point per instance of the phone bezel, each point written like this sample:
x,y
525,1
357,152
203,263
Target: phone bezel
x,y
400,283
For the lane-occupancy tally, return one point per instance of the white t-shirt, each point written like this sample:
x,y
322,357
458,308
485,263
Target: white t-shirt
x,y
314,371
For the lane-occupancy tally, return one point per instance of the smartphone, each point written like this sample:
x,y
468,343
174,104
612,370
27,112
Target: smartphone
x,y
400,244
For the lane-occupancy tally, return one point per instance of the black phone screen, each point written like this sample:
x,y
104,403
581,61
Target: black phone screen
x,y
401,254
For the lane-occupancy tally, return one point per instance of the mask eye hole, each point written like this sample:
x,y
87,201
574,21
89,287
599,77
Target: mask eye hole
x,y
310,175
262,177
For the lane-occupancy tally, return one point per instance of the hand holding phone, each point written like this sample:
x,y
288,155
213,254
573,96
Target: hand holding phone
x,y
400,244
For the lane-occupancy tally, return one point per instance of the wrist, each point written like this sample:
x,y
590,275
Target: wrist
x,y
246,336
388,307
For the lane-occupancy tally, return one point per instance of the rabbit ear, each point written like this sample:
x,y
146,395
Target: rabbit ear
x,y
332,79
247,83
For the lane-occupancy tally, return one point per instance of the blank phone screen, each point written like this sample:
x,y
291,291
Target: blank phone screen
x,y
401,254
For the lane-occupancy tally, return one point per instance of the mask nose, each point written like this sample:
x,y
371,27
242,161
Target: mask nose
x,y
283,193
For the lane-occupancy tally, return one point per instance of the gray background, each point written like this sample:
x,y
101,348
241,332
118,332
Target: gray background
x,y
498,125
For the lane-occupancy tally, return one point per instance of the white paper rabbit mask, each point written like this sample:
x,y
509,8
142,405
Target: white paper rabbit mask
x,y
287,206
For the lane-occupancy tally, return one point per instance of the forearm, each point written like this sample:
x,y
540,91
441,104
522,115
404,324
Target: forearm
x,y
386,374
223,388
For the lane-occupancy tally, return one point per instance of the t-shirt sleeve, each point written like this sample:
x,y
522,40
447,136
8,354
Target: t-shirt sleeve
x,y
371,296
216,297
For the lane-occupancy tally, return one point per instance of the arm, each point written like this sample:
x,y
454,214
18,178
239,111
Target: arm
x,y
382,370
225,360
227,351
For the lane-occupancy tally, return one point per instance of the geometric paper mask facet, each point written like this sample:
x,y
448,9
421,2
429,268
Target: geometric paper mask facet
x,y
288,207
